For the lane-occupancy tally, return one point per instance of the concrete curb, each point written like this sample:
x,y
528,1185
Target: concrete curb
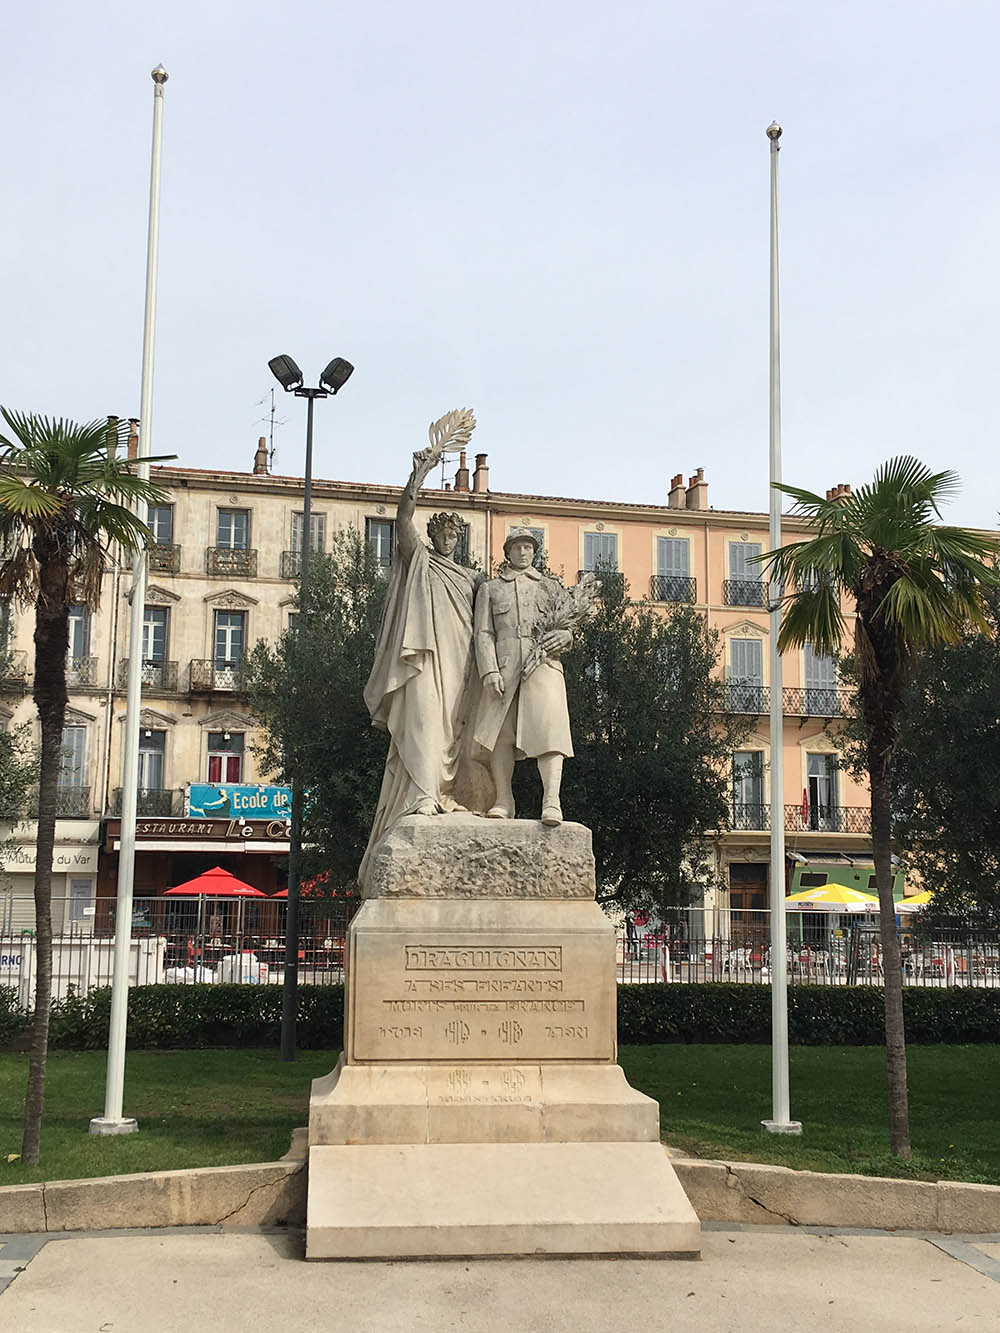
x,y
274,1194
752,1192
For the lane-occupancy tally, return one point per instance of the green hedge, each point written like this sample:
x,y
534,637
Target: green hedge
x,y
817,1015
161,1017
164,1017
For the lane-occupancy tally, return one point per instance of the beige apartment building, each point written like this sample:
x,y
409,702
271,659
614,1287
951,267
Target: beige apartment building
x,y
221,576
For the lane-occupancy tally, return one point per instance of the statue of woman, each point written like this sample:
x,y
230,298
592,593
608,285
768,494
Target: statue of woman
x,y
423,682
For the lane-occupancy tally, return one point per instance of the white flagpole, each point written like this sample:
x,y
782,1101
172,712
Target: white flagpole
x,y
113,1121
780,1122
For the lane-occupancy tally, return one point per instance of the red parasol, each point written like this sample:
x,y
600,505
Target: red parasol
x,y
216,883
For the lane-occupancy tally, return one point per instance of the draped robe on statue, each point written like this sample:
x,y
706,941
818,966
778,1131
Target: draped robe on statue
x,y
423,687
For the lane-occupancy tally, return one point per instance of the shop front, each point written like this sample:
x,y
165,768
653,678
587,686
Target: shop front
x,y
75,861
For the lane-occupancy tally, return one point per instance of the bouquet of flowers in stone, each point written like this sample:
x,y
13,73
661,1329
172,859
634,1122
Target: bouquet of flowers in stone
x,y
559,608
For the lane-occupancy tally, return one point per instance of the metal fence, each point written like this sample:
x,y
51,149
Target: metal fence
x,y
821,949
187,940
178,940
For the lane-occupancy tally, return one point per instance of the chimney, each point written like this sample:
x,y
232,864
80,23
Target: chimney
x,y
697,491
447,486
260,458
462,474
842,491
481,476
675,500
112,434
133,437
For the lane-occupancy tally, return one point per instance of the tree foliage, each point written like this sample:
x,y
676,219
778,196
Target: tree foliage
x,y
306,692
653,745
946,793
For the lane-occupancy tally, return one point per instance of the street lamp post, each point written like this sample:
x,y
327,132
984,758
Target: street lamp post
x,y
333,378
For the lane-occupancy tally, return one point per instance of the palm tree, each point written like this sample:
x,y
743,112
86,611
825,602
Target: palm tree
x,y
913,585
66,498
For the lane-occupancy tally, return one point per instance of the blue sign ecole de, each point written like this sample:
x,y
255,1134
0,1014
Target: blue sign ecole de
x,y
227,801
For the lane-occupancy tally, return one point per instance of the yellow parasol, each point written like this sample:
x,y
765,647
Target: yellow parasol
x,y
831,898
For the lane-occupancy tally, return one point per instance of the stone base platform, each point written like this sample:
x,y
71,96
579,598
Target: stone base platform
x,y
447,1200
479,1103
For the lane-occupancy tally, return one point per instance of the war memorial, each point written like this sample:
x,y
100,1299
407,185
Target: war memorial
x,y
478,1108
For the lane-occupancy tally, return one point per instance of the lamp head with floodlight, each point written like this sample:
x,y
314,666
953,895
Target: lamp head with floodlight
x,y
336,374
286,372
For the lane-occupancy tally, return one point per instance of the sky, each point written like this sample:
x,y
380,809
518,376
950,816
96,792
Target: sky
x,y
555,213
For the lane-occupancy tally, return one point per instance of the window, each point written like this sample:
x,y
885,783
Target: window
x,y
462,546
161,524
673,557
744,587
154,635
225,756
317,523
821,683
81,898
746,675
79,633
229,638
380,534
72,761
152,746
812,879
748,789
822,778
600,550
6,625
233,529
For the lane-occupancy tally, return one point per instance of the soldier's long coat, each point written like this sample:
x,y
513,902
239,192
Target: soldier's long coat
x,y
507,608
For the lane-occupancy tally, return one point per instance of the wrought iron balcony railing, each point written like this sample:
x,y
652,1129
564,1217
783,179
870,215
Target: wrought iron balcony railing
x,y
211,675
747,697
164,558
815,702
154,675
162,801
673,588
828,819
14,670
81,671
822,819
746,817
225,562
71,802
744,592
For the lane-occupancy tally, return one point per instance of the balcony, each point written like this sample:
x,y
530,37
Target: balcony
x,y
816,702
14,671
227,562
744,592
153,675
164,558
81,671
828,819
823,819
747,697
165,802
71,803
673,588
208,676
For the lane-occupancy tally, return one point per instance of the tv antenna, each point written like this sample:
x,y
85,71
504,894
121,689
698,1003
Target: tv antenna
x,y
273,420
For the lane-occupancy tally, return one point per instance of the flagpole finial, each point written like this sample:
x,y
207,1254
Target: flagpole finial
x,y
773,131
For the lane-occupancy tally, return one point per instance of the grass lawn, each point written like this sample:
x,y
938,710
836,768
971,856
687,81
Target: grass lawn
x,y
217,1108
713,1098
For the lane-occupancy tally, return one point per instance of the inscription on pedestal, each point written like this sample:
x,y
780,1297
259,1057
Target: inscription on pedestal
x,y
528,999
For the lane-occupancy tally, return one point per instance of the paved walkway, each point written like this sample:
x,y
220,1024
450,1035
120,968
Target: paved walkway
x,y
750,1278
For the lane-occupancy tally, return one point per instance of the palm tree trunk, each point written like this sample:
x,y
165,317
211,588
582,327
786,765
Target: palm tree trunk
x,y
879,766
51,642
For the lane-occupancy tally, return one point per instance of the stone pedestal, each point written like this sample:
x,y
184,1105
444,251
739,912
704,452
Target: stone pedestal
x,y
478,1107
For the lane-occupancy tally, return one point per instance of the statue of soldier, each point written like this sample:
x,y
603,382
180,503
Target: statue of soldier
x,y
522,712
